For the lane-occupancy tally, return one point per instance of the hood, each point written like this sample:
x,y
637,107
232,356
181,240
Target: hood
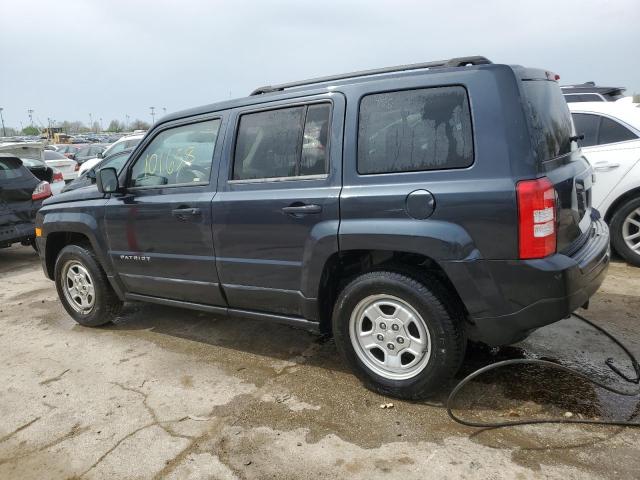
x,y
86,193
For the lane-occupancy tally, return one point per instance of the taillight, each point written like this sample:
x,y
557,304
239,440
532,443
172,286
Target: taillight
x,y
43,190
77,167
57,177
537,212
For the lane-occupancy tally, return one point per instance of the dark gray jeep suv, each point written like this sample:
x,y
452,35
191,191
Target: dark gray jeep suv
x,y
404,210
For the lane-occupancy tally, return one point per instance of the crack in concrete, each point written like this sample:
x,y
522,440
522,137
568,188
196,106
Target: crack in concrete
x,y
54,379
74,432
152,412
19,429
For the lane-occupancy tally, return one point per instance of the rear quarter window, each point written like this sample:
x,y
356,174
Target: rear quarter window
x,y
415,130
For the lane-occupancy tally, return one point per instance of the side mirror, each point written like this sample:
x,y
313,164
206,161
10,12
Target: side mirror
x,y
99,155
107,180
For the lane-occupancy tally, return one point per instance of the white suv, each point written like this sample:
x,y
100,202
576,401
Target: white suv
x,y
612,145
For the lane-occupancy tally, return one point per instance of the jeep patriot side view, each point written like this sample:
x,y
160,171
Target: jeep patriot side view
x,y
405,210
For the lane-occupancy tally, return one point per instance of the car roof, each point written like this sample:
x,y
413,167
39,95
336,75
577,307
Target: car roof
x,y
627,112
327,84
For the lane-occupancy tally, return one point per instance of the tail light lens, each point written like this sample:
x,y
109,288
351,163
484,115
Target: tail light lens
x,y
58,177
77,167
537,213
43,190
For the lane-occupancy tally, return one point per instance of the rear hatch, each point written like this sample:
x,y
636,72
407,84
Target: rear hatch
x,y
16,187
559,157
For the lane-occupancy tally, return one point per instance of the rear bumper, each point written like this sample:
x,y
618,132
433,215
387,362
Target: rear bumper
x,y
508,299
16,233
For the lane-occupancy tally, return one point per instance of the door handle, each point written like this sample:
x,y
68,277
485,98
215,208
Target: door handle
x,y
605,166
301,209
185,213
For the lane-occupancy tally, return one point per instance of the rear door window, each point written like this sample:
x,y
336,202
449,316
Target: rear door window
x,y
415,130
282,143
613,132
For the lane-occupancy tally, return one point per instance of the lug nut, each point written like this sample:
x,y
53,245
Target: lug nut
x,y
395,327
400,340
391,346
383,326
380,337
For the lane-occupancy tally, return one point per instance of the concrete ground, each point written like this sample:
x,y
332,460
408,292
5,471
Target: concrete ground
x,y
169,393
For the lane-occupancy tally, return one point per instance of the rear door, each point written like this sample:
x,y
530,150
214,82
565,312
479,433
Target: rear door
x,y
559,157
159,231
611,148
276,209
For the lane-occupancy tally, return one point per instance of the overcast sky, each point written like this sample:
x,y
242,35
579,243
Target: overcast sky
x,y
68,58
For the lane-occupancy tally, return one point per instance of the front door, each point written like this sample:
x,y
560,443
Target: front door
x,y
159,230
276,212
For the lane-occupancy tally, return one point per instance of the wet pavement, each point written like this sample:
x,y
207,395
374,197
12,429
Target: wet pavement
x,y
170,393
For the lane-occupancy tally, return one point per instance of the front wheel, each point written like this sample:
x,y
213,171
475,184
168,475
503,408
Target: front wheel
x,y
625,231
83,287
401,337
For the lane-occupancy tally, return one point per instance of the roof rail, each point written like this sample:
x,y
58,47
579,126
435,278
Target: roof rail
x,y
452,62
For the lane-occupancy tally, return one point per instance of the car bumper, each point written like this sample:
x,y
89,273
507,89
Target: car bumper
x,y
16,233
507,300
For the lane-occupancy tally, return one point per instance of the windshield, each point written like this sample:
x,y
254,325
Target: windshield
x,y
49,155
549,118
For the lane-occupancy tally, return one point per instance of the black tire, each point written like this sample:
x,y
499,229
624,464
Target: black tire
x,y
617,236
106,304
438,309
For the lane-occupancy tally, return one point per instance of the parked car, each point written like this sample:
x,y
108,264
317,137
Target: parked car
x,y
376,205
125,143
590,92
612,145
21,194
67,166
89,152
68,151
44,172
88,177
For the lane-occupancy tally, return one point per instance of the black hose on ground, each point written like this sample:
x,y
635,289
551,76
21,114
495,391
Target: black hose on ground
x,y
557,366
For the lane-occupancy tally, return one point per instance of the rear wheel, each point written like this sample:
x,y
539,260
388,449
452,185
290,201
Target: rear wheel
x,y
399,336
625,231
83,287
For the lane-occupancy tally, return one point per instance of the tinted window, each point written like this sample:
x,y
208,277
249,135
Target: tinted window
x,y
282,143
50,155
180,155
315,150
116,147
583,97
412,130
9,169
587,125
549,118
612,132
131,143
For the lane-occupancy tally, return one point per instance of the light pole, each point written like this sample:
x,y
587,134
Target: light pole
x,y
100,124
153,115
30,112
164,110
4,131
126,124
90,122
